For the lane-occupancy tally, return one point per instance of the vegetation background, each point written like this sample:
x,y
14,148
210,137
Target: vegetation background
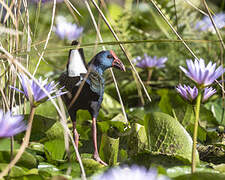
x,y
28,37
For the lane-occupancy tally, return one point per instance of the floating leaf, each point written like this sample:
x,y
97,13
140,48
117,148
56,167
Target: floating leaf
x,y
5,144
137,140
109,149
27,159
91,166
40,125
181,170
109,103
167,136
55,149
220,167
47,170
217,109
148,158
55,132
16,171
201,175
37,147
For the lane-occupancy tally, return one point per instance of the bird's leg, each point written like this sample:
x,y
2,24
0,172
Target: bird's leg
x,y
75,134
94,136
73,114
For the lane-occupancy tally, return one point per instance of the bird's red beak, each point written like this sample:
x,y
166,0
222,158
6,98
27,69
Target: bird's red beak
x,y
117,63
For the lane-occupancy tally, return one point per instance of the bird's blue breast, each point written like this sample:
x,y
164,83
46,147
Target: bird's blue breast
x,y
96,82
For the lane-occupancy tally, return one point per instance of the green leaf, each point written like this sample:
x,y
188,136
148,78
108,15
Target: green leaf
x,y
201,132
188,116
109,103
115,11
39,127
164,103
207,118
55,132
201,175
217,109
37,147
220,167
103,126
148,158
181,170
51,111
5,144
109,149
119,122
30,176
15,171
55,149
75,168
27,160
137,140
167,136
122,156
91,166
47,170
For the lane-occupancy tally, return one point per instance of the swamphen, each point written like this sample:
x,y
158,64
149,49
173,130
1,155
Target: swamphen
x,y
91,93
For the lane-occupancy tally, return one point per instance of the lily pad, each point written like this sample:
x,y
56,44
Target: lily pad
x,y
55,149
109,149
15,171
201,175
27,160
167,136
137,140
182,170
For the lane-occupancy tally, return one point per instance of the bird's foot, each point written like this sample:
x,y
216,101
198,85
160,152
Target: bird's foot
x,y
98,159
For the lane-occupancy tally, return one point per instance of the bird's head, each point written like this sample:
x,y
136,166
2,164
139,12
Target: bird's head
x,y
107,59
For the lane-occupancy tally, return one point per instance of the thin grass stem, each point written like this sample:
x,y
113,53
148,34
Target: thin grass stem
x,y
171,26
214,25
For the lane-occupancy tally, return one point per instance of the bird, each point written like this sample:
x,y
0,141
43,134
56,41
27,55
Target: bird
x,y
85,86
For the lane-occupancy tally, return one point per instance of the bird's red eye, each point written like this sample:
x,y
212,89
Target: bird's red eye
x,y
109,56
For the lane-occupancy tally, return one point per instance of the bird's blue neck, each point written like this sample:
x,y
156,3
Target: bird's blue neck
x,y
99,69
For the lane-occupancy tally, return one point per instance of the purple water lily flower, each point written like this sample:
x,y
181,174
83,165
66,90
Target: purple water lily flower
x,y
187,92
190,94
150,62
206,25
130,173
201,74
208,92
11,125
33,91
67,30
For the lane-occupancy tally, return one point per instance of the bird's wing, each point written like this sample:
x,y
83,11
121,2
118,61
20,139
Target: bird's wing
x,y
76,63
68,82
96,82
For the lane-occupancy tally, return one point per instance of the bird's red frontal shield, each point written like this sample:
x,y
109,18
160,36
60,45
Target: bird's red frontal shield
x,y
117,63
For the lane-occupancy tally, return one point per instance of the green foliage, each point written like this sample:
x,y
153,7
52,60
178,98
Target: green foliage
x,y
27,160
200,175
156,134
177,171
52,150
167,136
109,149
